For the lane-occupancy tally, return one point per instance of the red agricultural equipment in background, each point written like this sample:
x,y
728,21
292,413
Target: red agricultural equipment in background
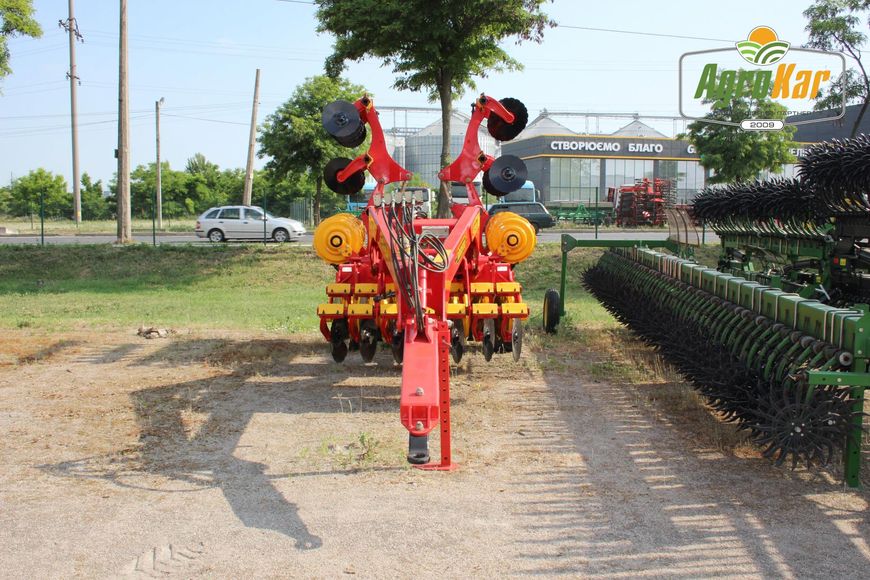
x,y
642,204
424,286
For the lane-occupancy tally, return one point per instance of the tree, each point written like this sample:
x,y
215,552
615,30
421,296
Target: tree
x,y
95,206
738,155
16,19
26,191
5,198
294,138
437,46
833,25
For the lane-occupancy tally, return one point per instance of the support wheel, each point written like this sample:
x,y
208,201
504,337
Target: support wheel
x,y
501,129
517,339
351,185
552,310
418,449
488,339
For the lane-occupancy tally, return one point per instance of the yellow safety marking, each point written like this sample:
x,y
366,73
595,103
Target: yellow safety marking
x,y
337,288
482,287
389,309
389,287
455,309
457,287
508,288
330,310
515,309
360,310
484,309
365,288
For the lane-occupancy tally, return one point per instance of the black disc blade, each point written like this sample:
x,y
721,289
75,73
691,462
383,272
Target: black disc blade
x,y
342,121
351,185
504,131
507,173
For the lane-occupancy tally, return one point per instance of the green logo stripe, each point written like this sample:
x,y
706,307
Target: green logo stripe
x,y
771,52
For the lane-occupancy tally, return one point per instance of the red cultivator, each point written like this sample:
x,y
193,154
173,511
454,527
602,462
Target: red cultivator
x,y
425,286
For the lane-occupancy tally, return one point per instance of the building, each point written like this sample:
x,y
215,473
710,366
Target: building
x,y
569,167
421,151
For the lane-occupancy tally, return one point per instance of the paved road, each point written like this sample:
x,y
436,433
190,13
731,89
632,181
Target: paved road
x,y
547,236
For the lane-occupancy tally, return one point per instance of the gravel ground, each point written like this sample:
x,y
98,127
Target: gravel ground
x,y
230,456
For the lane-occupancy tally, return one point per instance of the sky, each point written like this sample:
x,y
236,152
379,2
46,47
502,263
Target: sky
x,y
201,56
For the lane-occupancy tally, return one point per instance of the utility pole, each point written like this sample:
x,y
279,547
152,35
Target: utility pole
x,y
72,27
249,171
157,106
125,233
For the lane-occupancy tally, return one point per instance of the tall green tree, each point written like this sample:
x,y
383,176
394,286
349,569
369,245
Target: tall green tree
x,y
835,25
434,46
5,198
26,191
293,136
16,19
95,206
738,155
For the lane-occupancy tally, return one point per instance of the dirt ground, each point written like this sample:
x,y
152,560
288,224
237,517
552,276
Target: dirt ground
x,y
231,456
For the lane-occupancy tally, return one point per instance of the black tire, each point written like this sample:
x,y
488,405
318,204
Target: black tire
x,y
280,235
552,310
537,228
216,236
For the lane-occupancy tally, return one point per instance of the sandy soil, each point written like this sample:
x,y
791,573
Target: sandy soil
x,y
231,456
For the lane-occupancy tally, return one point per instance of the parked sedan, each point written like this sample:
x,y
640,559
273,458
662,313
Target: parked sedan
x,y
239,222
535,212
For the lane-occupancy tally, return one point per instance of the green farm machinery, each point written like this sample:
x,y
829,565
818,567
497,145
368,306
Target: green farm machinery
x,y
776,337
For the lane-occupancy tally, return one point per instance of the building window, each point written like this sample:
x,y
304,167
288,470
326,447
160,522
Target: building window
x,y
574,180
690,180
628,171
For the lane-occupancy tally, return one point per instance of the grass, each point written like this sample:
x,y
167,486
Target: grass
x,y
244,287
275,288
66,227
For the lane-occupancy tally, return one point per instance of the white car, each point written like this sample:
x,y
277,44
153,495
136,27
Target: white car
x,y
240,222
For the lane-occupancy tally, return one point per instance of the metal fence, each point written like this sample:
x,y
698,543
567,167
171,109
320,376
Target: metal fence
x,y
301,210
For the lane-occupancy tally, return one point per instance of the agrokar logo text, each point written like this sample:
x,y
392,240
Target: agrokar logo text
x,y
763,48
767,75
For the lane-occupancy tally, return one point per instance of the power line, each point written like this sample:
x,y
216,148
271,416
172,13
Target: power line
x,y
642,33
206,120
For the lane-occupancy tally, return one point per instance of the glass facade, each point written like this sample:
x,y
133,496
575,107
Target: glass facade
x,y
689,177
627,171
574,179
789,170
577,179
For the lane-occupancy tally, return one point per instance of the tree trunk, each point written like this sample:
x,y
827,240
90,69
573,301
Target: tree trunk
x,y
860,116
445,91
315,207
